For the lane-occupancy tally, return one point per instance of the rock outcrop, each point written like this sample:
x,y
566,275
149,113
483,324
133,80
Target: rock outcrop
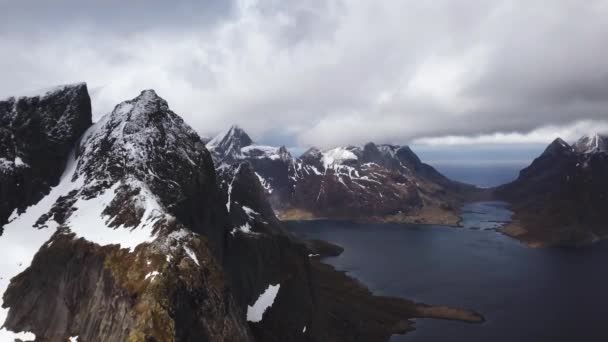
x,y
36,135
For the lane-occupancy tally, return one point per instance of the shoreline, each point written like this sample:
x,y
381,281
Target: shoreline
x,y
395,314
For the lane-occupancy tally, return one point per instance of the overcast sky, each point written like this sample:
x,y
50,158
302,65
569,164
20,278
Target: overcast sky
x,y
329,72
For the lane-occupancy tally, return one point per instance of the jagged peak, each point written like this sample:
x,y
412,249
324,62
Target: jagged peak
x,y
49,91
139,135
558,146
146,103
313,151
233,140
284,153
592,143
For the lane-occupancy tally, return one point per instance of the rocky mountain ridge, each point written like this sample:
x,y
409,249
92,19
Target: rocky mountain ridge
x,y
36,134
560,199
374,182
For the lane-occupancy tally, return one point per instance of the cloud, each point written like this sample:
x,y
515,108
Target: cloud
x,y
543,135
328,72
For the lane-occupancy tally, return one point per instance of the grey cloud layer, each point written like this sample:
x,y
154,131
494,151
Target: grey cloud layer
x,y
326,72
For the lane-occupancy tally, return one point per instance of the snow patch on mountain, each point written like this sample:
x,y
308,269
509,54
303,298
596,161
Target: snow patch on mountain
x,y
244,228
265,301
228,145
261,151
337,156
21,239
593,143
191,255
265,184
88,222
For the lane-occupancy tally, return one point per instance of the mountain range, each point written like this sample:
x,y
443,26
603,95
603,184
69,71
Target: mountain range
x,y
558,200
130,229
375,182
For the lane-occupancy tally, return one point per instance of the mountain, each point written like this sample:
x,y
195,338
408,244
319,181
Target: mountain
x,y
561,198
141,239
36,134
373,182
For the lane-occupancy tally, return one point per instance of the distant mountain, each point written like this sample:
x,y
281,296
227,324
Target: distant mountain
x,y
561,198
373,182
132,235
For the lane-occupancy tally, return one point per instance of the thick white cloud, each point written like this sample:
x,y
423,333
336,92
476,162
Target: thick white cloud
x,y
330,72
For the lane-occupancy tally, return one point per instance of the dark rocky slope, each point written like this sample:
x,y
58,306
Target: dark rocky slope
x,y
374,182
561,198
36,135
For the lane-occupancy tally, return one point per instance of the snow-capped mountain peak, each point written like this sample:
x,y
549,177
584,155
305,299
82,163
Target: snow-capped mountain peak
x,y
592,143
230,143
137,138
133,171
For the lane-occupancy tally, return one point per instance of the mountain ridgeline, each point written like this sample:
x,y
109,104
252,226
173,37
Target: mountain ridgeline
x,y
561,198
375,182
36,134
126,230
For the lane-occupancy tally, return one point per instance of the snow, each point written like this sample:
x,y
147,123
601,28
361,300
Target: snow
x,y
218,138
8,336
43,92
265,301
592,143
250,212
266,185
152,275
8,165
229,143
261,151
337,156
87,222
21,241
390,150
19,162
246,228
315,170
191,254
74,339
236,172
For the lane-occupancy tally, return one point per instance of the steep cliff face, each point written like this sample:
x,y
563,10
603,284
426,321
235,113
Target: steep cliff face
x,y
374,182
137,232
561,198
36,135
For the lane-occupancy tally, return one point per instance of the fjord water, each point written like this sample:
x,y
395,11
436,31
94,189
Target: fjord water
x,y
525,294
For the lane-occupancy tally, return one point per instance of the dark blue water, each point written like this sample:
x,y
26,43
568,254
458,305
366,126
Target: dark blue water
x,y
481,175
525,294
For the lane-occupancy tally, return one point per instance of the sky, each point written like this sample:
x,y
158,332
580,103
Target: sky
x,y
434,74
